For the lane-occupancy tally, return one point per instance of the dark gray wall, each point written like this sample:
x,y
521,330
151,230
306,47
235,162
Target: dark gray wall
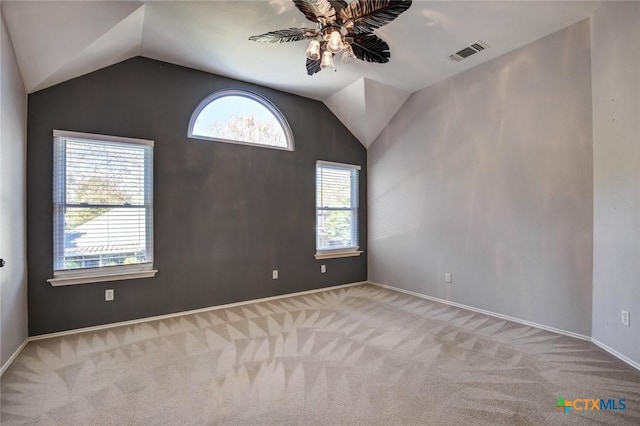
x,y
225,214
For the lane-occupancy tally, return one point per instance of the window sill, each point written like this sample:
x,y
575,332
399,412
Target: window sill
x,y
98,278
337,254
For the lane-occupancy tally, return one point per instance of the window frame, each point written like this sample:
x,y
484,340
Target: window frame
x,y
354,207
279,116
62,277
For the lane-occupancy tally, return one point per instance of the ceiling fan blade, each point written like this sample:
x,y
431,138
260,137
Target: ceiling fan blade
x,y
317,10
367,15
313,66
286,35
338,5
369,47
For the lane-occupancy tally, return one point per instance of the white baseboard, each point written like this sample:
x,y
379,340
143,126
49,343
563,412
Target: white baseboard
x,y
12,357
167,316
617,354
482,311
613,352
179,314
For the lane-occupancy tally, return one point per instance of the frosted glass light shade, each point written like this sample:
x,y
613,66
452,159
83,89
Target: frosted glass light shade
x,y
334,44
327,60
347,54
313,51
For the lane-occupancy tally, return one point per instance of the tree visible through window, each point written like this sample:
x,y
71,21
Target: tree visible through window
x,y
336,209
240,117
103,192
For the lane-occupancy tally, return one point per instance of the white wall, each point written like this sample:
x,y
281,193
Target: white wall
x,y
616,147
13,280
488,175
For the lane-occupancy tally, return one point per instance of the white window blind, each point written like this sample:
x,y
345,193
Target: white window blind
x,y
336,207
102,202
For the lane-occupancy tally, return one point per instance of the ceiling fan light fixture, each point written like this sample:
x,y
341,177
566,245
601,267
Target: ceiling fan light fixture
x,y
343,27
334,44
313,51
327,60
347,54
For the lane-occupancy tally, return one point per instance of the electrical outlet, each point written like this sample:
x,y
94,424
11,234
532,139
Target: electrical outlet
x,y
447,277
275,274
323,268
108,295
625,318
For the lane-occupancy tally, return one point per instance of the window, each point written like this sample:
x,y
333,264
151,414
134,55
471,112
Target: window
x,y
336,210
242,117
102,208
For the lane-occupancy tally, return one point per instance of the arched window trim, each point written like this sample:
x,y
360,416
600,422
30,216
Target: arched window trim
x,y
251,96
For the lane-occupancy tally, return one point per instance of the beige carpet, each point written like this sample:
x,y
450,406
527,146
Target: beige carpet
x,y
358,356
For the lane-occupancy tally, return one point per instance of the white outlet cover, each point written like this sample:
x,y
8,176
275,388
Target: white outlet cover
x,y
108,295
626,318
275,274
323,268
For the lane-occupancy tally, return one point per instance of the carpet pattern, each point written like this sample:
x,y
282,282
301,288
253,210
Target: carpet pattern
x,y
360,355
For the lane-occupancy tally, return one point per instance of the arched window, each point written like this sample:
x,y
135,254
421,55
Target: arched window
x,y
238,116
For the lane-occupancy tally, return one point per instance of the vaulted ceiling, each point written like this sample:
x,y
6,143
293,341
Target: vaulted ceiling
x,y
58,40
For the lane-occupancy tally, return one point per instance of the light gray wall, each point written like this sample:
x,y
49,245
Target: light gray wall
x,y
616,147
488,175
13,279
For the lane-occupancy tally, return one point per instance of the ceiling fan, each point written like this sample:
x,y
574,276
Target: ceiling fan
x,y
342,27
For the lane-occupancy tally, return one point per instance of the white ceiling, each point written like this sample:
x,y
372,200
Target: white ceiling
x,y
58,40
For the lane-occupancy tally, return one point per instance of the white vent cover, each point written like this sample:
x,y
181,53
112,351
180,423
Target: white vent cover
x,y
472,49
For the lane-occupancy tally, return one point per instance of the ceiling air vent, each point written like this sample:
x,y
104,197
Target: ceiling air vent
x,y
474,48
